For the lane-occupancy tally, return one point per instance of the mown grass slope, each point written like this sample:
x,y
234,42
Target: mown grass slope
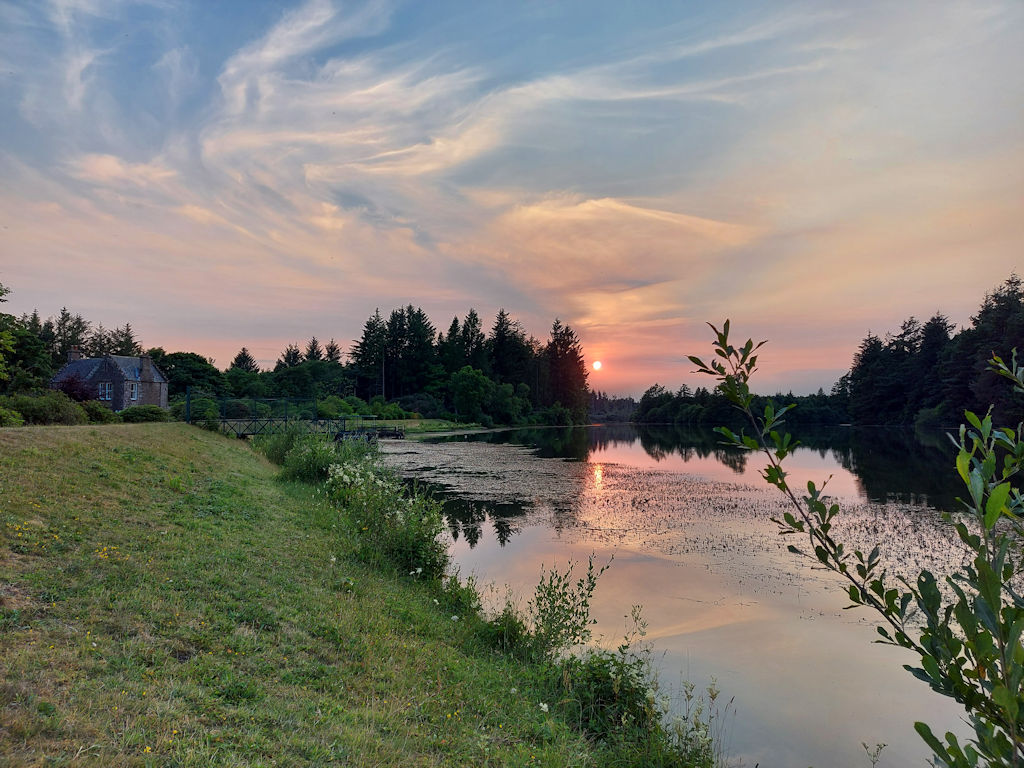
x,y
164,600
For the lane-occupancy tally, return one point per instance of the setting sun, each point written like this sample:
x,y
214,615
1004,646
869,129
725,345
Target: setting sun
x,y
597,365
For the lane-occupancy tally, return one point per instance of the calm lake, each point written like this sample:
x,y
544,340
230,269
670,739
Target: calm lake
x,y
688,525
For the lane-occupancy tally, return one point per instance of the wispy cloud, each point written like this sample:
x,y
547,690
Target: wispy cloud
x,y
773,165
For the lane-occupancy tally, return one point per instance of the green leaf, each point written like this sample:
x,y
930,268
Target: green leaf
x,y
1002,697
996,501
963,465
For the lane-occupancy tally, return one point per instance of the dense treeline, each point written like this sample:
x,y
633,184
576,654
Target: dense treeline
x,y
925,375
400,365
922,375
604,407
502,377
704,407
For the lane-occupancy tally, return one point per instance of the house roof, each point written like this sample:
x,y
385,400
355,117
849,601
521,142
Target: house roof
x,y
131,368
80,369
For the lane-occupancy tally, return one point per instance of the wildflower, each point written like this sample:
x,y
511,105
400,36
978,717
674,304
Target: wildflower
x,y
514,691
455,618
543,707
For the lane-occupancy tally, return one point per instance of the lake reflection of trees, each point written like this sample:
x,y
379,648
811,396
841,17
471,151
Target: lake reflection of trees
x,y
890,464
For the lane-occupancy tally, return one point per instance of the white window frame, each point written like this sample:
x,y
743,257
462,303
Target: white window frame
x,y
133,390
106,390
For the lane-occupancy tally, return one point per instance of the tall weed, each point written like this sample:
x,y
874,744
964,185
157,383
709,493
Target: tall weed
x,y
310,459
275,446
394,526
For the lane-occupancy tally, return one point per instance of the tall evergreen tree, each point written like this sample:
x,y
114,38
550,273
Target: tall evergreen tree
x,y
314,350
368,357
568,372
100,342
291,357
419,357
69,330
451,352
866,380
245,361
508,351
473,341
123,341
332,352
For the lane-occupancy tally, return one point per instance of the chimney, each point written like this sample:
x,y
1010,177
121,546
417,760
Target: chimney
x,y
145,368
74,354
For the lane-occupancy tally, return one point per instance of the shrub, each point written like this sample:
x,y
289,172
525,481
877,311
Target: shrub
x,y
237,409
275,446
98,413
560,609
9,418
428,406
50,407
77,388
332,407
310,458
394,527
202,409
144,413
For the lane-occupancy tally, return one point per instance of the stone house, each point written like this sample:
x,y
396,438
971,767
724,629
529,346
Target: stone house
x,y
117,381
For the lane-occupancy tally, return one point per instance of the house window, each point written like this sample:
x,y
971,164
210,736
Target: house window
x,y
106,390
133,390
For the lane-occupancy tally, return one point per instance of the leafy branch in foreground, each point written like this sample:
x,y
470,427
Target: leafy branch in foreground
x,y
968,640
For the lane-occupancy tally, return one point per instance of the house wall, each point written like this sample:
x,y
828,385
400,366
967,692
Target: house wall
x,y
150,392
107,371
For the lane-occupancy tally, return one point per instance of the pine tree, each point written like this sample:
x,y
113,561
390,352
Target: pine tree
x,y
291,357
450,350
332,352
568,372
100,342
68,331
313,350
368,356
123,341
245,361
508,352
473,341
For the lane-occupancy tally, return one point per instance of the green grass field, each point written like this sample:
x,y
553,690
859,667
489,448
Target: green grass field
x,y
166,601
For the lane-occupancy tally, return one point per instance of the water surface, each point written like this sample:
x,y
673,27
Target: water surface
x,y
688,524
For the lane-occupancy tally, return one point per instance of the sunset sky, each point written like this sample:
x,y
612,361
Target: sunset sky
x,y
222,174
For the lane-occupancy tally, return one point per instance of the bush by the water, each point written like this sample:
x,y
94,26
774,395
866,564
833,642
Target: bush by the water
x,y
143,413
50,407
276,445
310,459
394,528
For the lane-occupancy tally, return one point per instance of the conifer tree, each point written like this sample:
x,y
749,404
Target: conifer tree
x,y
245,361
313,350
332,352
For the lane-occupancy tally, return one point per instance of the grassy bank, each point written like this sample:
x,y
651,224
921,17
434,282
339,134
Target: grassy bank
x,y
167,601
